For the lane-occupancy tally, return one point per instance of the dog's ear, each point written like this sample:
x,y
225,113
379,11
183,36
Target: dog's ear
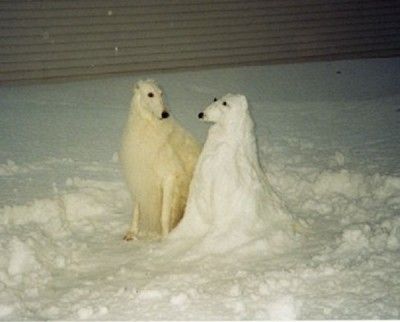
x,y
136,87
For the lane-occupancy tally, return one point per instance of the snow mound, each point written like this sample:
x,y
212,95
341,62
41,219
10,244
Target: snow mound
x,y
22,258
79,209
43,212
9,168
282,308
5,310
231,202
367,238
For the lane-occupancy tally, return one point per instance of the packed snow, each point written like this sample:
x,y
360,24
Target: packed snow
x,y
231,202
327,136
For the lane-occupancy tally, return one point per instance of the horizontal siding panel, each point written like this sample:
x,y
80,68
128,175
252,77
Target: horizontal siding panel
x,y
217,41
94,4
195,54
329,31
45,18
31,25
214,42
123,31
42,39
282,57
246,26
163,8
251,27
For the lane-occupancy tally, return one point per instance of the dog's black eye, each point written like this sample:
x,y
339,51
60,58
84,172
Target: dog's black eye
x,y
150,94
215,99
224,103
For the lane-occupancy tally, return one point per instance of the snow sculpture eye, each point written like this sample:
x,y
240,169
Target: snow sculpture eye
x,y
215,99
224,103
150,94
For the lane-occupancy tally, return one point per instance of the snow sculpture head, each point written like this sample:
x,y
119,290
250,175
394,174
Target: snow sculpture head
x,y
230,114
227,109
148,97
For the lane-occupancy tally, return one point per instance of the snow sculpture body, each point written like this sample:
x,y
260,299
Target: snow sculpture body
x,y
231,201
158,158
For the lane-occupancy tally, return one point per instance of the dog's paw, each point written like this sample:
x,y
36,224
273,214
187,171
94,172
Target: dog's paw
x,y
129,236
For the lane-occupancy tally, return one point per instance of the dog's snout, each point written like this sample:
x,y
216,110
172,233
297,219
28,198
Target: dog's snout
x,y
164,115
201,115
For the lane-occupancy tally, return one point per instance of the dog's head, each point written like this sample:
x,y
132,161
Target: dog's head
x,y
230,108
149,97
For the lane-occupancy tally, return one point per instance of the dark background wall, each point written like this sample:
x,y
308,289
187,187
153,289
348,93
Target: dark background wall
x,y
61,39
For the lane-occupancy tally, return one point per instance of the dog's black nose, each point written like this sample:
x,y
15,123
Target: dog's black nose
x,y
201,115
164,114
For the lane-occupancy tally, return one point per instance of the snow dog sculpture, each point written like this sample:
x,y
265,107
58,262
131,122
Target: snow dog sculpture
x,y
158,158
231,201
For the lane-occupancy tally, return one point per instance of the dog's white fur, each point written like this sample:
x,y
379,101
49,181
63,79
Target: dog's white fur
x,y
158,158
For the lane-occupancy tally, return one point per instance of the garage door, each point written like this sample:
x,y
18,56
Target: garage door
x,y
62,39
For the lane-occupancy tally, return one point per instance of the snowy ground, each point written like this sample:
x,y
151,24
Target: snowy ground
x,y
329,139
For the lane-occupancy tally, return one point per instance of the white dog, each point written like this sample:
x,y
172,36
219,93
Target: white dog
x,y
158,158
231,201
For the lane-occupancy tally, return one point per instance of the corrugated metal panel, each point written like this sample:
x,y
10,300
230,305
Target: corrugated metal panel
x,y
45,39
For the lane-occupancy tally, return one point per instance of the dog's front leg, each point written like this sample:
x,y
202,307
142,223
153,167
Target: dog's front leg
x,y
167,195
134,228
